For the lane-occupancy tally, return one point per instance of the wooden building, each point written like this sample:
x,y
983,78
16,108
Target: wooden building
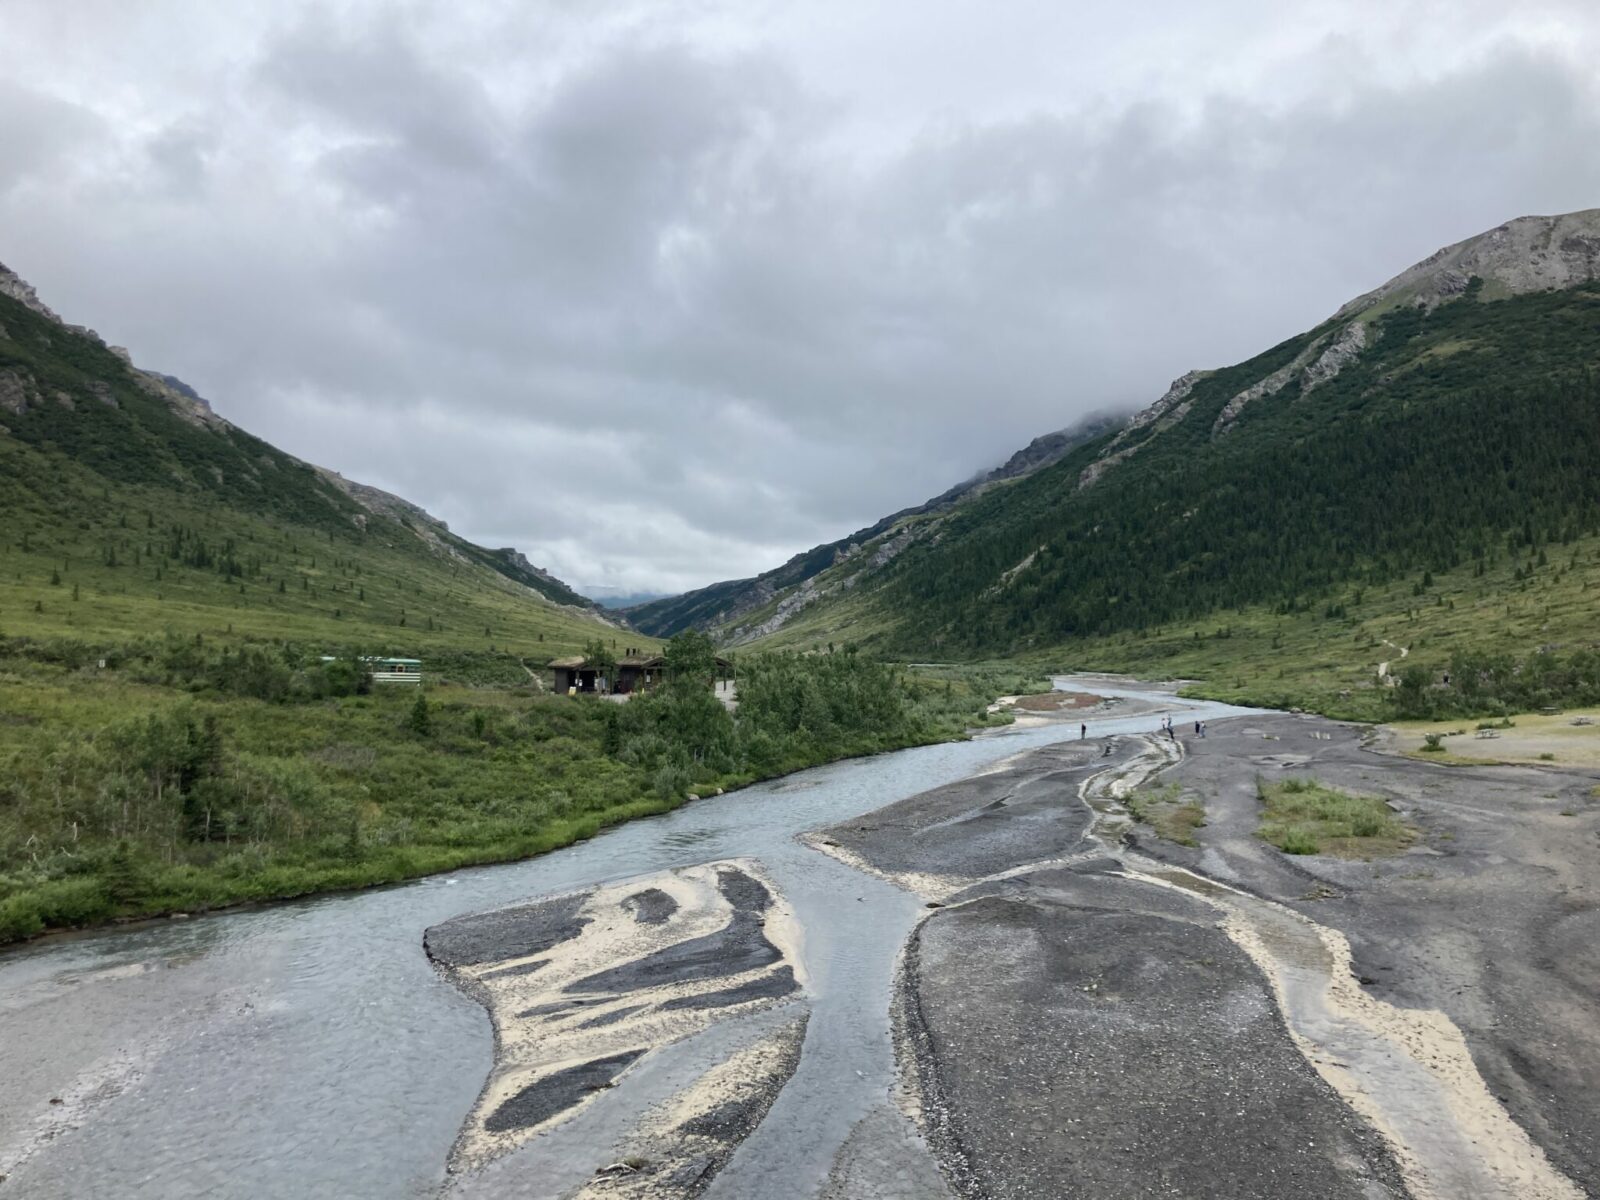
x,y
633,673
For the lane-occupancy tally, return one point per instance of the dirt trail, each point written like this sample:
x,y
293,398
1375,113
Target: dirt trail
x,y
1383,667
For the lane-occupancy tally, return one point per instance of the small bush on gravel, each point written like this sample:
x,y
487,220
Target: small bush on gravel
x,y
1164,810
1302,816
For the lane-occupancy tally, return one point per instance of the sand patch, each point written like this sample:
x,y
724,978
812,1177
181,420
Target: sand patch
x,y
680,1145
1408,1072
1560,740
587,985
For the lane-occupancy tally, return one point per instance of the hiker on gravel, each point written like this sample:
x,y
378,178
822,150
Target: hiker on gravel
x,y
1083,731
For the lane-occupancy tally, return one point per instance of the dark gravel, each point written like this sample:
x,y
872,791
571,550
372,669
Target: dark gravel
x,y
506,933
740,945
1089,1035
1493,917
556,1093
1023,813
771,986
651,906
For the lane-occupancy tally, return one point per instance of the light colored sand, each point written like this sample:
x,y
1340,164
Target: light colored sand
x,y
1532,737
666,1146
536,1045
1408,1071
928,887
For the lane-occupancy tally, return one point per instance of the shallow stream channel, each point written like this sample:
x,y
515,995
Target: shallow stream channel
x,y
313,1049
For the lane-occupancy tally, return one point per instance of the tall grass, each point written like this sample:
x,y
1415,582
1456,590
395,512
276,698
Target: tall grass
x,y
1302,816
166,782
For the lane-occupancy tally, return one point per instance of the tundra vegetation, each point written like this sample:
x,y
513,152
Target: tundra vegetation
x,y
187,774
1302,816
1441,494
1168,812
171,738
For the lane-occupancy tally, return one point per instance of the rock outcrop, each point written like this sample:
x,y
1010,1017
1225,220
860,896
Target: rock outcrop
x,y
1346,348
1529,254
1163,414
1270,386
20,290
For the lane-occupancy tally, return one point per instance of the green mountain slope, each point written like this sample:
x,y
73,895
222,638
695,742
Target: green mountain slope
x,y
751,606
1444,425
132,509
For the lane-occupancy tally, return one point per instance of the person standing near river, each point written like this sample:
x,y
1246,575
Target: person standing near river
x,y
1083,731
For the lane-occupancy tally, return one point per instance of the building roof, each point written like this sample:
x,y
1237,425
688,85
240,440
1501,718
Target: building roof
x,y
643,662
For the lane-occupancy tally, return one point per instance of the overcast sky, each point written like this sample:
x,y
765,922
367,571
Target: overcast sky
x,y
664,293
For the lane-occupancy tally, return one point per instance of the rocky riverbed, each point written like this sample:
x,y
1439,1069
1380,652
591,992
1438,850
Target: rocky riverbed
x,y
1088,1008
963,971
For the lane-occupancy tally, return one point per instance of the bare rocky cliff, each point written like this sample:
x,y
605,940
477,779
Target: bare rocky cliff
x,y
1529,254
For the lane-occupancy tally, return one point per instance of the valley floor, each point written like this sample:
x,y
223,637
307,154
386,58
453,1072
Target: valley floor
x,y
1088,1008
1097,1009
1003,983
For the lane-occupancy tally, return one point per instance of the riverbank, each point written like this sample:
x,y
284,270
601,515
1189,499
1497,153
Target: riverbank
x,y
995,979
296,799
1090,1006
310,1048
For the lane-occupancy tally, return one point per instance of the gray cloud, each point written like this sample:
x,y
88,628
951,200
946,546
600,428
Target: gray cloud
x,y
666,295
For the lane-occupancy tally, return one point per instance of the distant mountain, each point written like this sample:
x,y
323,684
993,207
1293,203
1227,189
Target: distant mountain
x,y
104,465
788,588
621,600
1427,422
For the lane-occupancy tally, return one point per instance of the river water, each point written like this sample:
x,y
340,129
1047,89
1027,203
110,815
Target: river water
x,y
309,1049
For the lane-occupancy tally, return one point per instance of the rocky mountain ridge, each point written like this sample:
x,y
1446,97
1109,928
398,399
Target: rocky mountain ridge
x,y
1445,402
1528,254
1525,255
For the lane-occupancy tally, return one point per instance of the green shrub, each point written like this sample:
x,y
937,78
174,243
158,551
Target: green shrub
x,y
671,782
1302,816
19,918
1298,840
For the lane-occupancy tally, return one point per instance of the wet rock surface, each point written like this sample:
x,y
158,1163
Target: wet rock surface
x,y
766,987
651,906
739,946
1026,810
680,1146
1117,1043
1490,918
506,933
555,1093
